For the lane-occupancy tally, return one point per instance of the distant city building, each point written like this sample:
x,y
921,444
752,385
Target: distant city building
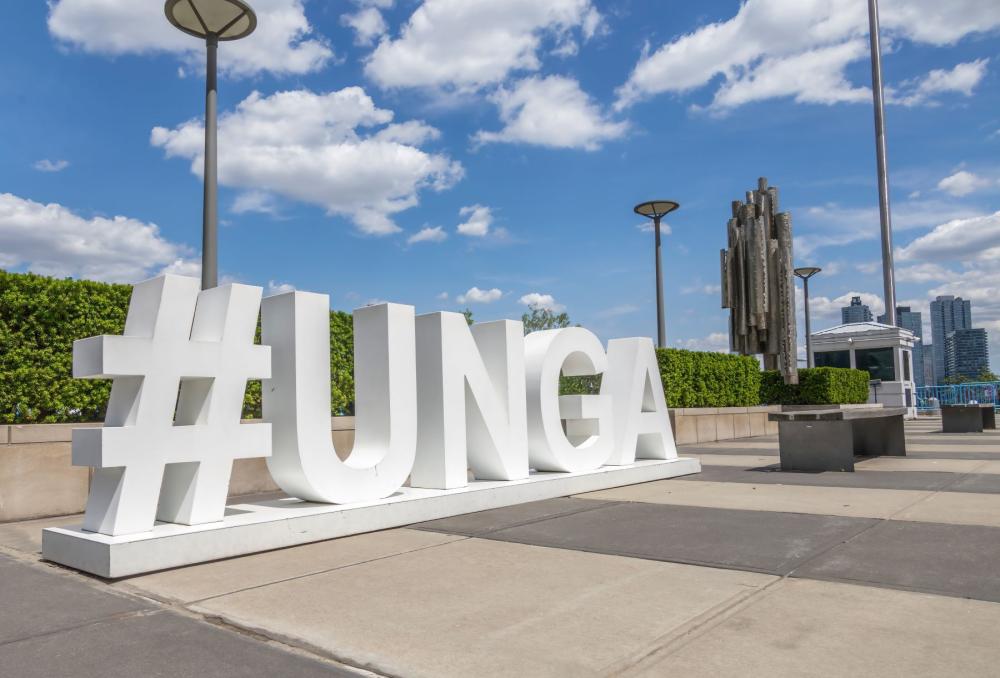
x,y
929,378
912,320
967,353
856,312
948,313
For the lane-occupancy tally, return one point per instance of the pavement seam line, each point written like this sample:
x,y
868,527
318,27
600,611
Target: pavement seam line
x,y
75,627
674,640
458,538
299,646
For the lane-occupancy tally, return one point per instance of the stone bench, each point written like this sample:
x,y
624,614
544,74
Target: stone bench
x,y
828,440
967,418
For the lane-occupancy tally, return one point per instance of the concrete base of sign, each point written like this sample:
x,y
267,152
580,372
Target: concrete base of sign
x,y
263,526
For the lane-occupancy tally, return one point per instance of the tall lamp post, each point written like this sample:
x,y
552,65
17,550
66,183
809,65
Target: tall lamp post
x,y
805,273
885,217
212,21
656,210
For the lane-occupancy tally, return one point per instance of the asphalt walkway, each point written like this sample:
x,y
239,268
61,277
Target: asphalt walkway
x,y
742,570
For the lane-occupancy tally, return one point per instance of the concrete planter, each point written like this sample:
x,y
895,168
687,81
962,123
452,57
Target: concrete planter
x,y
709,424
38,480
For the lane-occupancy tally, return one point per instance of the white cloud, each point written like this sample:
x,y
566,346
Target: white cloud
x,y
478,219
717,342
478,296
320,149
46,165
541,301
283,42
442,297
428,234
278,288
367,23
962,240
835,225
54,240
799,49
468,44
961,79
254,201
553,112
647,227
699,288
923,273
963,183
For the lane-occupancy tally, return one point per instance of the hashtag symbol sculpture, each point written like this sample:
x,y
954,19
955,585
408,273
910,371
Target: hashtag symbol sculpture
x,y
173,427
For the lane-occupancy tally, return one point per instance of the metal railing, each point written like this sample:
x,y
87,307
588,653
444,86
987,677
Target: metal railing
x,y
932,397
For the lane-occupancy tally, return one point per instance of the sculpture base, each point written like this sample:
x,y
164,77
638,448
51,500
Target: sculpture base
x,y
263,526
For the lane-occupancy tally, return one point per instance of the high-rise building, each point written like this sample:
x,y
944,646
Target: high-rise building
x,y
912,320
948,313
856,312
928,369
967,353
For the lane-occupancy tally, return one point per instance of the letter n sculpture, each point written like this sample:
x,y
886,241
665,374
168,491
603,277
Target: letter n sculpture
x,y
757,282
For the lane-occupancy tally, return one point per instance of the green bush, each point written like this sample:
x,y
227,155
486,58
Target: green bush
x,y
704,379
40,318
817,386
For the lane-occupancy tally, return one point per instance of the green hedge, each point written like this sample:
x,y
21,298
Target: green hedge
x,y
40,317
817,386
704,379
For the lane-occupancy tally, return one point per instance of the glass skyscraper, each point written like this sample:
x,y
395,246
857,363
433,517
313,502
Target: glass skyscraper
x,y
948,313
856,312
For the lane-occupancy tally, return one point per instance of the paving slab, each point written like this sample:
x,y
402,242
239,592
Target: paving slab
x,y
207,580
484,522
956,508
965,439
36,599
775,543
949,465
901,480
811,629
985,483
740,460
26,536
981,456
946,449
478,607
829,501
955,560
158,644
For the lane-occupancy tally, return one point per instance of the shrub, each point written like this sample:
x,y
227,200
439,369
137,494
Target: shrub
x,y
705,379
40,318
817,386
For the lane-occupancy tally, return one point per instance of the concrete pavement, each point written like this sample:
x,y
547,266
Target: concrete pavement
x,y
743,571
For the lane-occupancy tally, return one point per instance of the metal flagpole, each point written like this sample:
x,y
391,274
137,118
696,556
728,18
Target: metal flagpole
x,y
885,216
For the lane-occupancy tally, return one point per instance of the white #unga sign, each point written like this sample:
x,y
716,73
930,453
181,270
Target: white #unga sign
x,y
437,401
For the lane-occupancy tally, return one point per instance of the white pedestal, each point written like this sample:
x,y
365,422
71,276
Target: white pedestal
x,y
263,526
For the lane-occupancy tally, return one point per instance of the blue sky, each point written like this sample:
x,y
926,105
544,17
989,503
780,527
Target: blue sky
x,y
453,153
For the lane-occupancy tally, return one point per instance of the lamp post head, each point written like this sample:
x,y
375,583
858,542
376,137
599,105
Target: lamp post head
x,y
219,19
806,272
656,209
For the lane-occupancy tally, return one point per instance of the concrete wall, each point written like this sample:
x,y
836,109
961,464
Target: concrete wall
x,y
37,478
708,424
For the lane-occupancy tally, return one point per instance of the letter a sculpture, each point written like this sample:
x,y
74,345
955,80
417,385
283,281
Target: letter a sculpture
x,y
757,282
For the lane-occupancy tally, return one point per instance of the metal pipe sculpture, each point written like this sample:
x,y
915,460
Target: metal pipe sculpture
x,y
757,282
